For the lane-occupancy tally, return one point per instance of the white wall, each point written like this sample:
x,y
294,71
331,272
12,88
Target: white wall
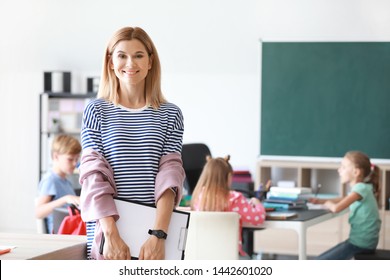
x,y
210,57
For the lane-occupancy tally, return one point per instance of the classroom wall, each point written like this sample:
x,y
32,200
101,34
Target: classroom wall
x,y
210,59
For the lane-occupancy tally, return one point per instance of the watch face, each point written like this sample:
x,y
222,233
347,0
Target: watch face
x,y
158,233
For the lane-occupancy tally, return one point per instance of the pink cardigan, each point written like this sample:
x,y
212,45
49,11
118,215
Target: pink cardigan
x,y
99,189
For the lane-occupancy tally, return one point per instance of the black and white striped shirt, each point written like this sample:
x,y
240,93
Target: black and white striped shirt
x,y
132,141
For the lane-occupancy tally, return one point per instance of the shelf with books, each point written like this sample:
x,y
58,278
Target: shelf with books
x,y
314,175
59,113
242,181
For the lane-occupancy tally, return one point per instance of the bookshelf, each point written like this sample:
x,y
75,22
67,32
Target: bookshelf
x,y
311,174
59,113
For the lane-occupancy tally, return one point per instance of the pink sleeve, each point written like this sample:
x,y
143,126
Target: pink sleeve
x,y
170,175
98,187
96,198
254,214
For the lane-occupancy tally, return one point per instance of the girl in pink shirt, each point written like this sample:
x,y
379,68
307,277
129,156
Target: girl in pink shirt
x,y
213,193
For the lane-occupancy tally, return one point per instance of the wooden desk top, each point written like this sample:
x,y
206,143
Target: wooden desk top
x,y
44,246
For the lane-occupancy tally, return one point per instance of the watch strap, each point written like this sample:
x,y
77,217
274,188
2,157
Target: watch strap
x,y
160,234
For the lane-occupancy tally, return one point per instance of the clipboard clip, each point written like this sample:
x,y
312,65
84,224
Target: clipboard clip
x,y
182,239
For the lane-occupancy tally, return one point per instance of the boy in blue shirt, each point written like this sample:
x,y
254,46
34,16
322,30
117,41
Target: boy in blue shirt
x,y
55,189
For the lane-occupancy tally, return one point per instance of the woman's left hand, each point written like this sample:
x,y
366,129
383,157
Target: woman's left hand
x,y
153,249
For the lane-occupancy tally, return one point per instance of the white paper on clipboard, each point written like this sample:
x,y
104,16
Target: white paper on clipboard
x,y
135,221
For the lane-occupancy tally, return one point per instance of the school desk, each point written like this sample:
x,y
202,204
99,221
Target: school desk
x,y
300,224
43,246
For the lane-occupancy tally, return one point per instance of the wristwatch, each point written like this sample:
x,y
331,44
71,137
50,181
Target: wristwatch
x,y
160,234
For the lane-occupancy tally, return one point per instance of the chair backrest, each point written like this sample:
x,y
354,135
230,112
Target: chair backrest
x,y
41,223
58,216
41,226
212,236
194,159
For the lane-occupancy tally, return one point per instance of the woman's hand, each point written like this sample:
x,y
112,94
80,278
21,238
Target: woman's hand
x,y
115,249
153,249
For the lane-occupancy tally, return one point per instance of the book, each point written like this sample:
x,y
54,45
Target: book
x,y
283,195
280,215
284,206
286,184
284,200
276,206
243,176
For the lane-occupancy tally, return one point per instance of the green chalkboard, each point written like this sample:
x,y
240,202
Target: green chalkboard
x,y
322,99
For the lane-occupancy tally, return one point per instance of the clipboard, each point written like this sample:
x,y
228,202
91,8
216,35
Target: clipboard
x,y
137,218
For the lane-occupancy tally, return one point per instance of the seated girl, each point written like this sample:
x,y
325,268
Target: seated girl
x,y
213,193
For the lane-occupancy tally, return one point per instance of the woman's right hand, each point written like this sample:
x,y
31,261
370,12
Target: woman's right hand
x,y
115,248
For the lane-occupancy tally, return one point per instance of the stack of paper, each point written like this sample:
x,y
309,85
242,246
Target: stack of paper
x,y
286,184
297,190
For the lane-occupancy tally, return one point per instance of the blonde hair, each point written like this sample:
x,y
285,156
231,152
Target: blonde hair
x,y
369,172
213,185
109,84
65,144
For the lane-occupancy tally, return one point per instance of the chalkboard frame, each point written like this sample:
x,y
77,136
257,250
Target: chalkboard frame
x,y
321,99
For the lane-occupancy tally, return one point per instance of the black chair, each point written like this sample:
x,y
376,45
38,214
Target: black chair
x,y
194,159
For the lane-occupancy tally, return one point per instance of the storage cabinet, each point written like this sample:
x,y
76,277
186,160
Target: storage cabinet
x,y
59,113
314,174
304,174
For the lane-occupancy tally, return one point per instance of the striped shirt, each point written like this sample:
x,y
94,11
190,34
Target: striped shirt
x,y
132,141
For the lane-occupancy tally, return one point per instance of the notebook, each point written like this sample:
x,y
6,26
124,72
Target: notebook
x,y
280,215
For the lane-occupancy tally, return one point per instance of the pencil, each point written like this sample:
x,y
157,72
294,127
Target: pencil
x,y
5,251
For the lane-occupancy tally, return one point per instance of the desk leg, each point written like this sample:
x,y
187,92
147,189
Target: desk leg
x,y
302,242
247,241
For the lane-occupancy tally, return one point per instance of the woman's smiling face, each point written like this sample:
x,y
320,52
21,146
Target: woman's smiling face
x,y
130,62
